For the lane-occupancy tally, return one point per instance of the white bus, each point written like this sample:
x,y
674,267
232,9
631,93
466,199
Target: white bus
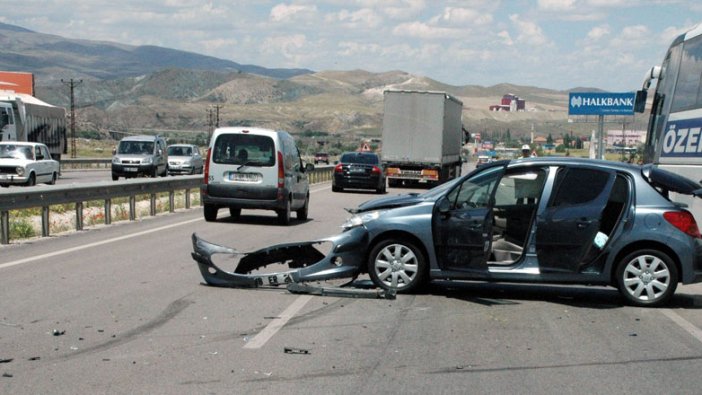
x,y
674,138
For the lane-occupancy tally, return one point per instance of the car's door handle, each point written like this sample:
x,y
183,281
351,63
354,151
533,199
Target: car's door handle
x,y
582,224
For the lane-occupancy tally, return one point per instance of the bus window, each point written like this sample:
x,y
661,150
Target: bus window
x,y
688,93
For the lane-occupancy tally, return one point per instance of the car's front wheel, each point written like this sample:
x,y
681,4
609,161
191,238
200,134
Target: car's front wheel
x,y
398,265
647,277
32,180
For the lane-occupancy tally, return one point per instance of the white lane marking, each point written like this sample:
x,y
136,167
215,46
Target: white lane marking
x,y
683,323
98,243
274,326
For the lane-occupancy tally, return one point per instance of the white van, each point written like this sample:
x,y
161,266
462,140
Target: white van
x,y
254,168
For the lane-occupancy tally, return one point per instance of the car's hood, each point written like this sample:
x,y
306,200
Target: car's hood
x,y
14,162
388,202
178,157
131,156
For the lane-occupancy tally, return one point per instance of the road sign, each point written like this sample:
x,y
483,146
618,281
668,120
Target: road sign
x,y
601,103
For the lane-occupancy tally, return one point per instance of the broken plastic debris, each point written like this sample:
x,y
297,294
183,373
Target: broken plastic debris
x,y
58,332
293,350
600,240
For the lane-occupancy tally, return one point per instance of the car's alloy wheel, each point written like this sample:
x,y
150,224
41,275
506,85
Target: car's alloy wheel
x,y
647,277
398,265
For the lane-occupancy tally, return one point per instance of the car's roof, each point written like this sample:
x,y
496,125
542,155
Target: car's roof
x,y
567,160
140,138
181,145
21,143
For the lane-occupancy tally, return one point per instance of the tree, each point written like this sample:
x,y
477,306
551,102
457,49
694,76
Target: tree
x,y
549,139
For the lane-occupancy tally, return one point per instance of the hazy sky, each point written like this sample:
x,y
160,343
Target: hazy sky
x,y
558,44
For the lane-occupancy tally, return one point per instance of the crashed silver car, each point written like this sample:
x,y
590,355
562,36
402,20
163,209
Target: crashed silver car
x,y
535,220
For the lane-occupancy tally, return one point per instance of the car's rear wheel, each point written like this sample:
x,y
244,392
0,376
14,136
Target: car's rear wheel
x,y
647,277
54,177
284,214
397,264
303,212
210,212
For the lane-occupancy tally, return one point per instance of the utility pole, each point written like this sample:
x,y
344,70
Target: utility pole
x,y
72,84
217,107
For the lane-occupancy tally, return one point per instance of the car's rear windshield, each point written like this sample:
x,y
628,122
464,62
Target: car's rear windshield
x,y
352,157
240,149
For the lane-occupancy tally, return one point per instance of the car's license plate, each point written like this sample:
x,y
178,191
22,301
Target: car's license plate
x,y
244,177
130,169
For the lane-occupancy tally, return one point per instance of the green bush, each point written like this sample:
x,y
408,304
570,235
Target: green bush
x,y
21,229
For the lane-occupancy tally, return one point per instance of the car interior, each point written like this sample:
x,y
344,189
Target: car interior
x,y
516,201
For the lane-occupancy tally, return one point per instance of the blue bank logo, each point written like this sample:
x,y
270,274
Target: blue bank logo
x,y
604,103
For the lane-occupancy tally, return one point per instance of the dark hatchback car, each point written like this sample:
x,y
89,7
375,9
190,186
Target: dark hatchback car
x,y
359,170
534,220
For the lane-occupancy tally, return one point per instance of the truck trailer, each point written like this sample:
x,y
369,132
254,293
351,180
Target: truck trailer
x,y
25,118
422,136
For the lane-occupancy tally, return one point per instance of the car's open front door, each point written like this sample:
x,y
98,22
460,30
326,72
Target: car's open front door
x,y
462,223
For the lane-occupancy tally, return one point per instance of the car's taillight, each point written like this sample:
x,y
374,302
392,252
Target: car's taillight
x,y
207,166
338,168
375,170
281,171
684,221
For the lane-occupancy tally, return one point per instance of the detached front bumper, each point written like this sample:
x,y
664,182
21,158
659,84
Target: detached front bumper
x,y
346,258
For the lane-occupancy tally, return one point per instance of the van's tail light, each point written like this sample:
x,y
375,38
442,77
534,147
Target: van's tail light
x,y
207,166
375,170
281,171
338,168
684,221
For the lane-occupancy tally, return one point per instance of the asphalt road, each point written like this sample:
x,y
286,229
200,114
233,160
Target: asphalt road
x,y
121,309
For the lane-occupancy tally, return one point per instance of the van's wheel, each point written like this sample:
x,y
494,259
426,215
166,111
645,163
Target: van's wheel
x,y
154,172
284,214
397,264
32,180
647,277
210,212
54,177
304,211
235,213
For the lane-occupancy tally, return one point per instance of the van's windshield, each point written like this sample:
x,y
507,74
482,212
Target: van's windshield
x,y
244,149
136,148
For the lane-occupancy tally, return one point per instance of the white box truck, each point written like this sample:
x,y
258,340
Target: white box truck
x,y
422,136
25,118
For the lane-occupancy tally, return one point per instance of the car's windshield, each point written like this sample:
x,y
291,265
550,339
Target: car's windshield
x,y
15,151
136,147
180,151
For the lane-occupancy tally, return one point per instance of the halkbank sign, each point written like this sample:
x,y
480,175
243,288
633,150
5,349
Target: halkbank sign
x,y
601,103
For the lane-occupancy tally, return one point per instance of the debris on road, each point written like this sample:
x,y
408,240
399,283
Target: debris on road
x,y
293,350
341,292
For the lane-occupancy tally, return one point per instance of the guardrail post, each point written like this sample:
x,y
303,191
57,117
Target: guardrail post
x,y
79,215
108,211
132,207
171,201
5,227
45,225
187,199
152,209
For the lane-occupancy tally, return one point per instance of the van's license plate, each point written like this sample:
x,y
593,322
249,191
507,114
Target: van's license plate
x,y
244,177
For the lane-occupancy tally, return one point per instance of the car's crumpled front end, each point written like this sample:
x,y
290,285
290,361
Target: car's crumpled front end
x,y
305,262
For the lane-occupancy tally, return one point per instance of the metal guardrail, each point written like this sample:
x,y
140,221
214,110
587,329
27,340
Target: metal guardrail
x,y
85,163
45,196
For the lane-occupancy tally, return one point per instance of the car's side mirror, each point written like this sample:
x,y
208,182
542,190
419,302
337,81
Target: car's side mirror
x,y
640,101
160,152
444,206
309,167
114,151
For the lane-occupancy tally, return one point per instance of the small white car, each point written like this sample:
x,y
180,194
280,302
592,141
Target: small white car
x,y
26,164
